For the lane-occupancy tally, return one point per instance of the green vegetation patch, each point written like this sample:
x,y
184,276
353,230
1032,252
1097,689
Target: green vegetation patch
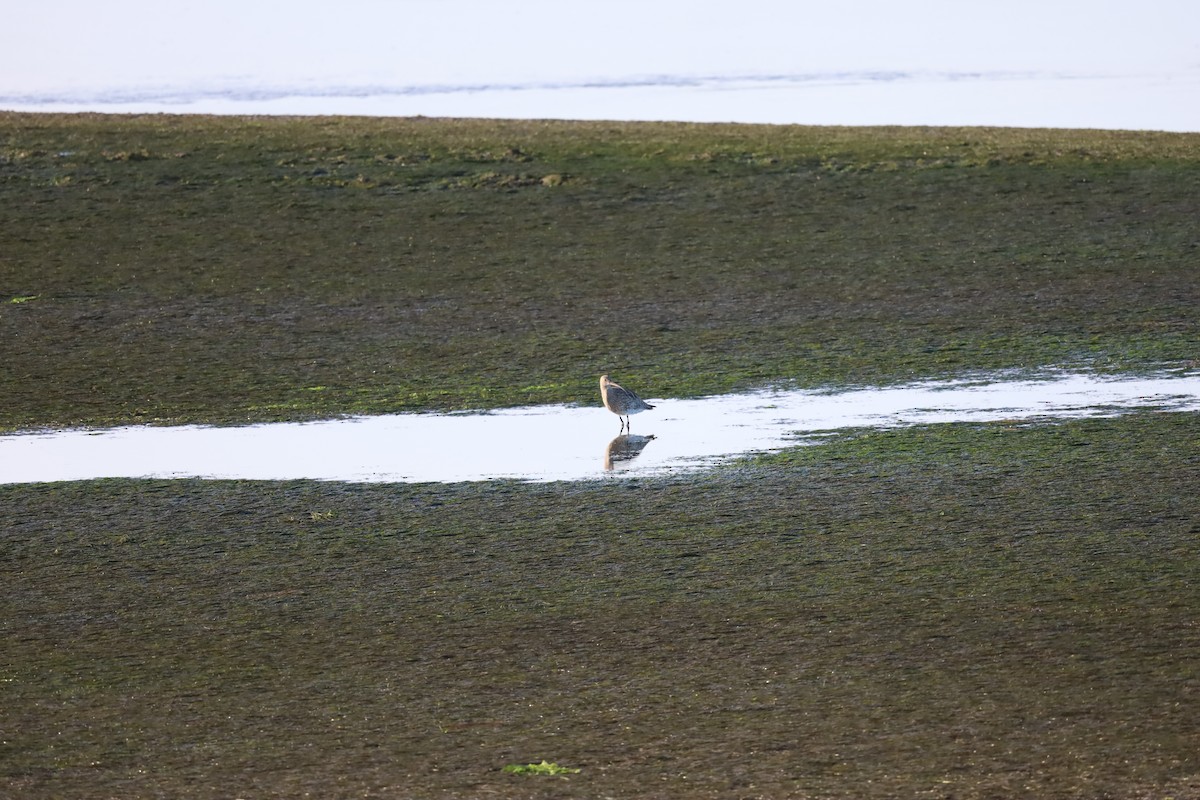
x,y
542,768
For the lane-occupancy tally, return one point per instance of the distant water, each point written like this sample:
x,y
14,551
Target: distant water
x,y
548,443
1061,99
1024,63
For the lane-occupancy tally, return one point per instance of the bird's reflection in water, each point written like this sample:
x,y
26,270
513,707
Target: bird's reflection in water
x,y
624,448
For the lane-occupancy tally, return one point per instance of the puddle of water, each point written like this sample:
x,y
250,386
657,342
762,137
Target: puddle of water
x,y
544,443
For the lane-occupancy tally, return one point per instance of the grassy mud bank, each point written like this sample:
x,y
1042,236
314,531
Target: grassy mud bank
x,y
955,611
234,269
959,611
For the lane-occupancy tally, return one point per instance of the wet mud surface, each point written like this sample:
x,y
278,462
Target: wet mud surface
x,y
954,611
979,610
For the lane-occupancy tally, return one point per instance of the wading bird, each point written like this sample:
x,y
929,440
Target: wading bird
x,y
621,401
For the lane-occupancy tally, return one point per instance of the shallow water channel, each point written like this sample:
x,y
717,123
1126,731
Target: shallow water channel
x,y
545,443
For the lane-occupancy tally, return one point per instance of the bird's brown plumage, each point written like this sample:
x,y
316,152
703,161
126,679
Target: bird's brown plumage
x,y
620,400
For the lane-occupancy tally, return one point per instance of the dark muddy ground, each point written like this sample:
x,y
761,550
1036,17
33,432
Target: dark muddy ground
x,y
198,269
960,611
999,611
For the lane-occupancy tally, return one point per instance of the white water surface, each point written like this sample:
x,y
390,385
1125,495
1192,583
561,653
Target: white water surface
x,y
1024,63
568,443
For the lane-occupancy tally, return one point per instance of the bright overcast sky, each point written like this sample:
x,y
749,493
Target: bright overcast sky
x,y
84,43
88,49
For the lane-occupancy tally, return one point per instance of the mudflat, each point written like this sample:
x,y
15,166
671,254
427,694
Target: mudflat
x,y
947,611
174,269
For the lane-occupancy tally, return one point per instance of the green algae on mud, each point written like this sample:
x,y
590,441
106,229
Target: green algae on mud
x,y
966,610
223,269
976,611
